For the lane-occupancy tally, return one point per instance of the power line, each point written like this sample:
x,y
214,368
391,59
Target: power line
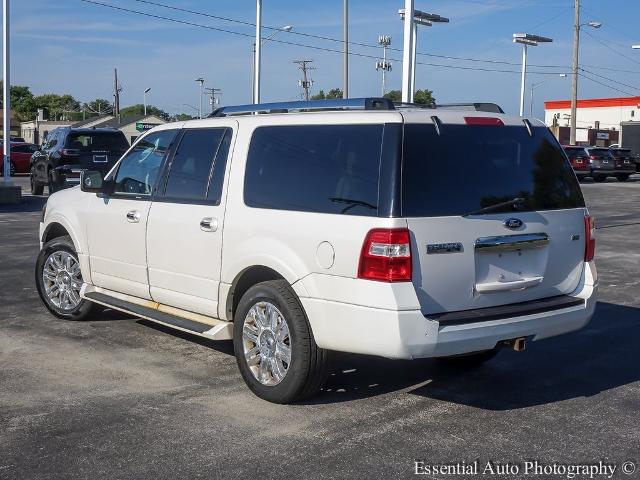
x,y
604,44
605,84
331,39
609,79
314,47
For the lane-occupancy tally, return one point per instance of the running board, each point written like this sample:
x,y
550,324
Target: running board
x,y
219,330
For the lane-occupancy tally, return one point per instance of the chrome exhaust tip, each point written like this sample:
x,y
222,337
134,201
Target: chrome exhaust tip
x,y
516,344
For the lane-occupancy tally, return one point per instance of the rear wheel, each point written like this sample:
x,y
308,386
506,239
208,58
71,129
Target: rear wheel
x,y
274,346
599,178
59,280
623,178
470,360
36,188
53,184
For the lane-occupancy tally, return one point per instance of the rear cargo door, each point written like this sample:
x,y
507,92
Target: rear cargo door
x,y
467,252
96,150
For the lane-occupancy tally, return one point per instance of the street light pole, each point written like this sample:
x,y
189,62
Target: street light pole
x,y
407,62
6,94
286,28
258,53
147,90
524,78
574,73
345,59
200,80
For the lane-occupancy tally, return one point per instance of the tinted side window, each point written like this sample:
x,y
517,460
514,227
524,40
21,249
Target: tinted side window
x,y
467,168
191,165
138,170
315,168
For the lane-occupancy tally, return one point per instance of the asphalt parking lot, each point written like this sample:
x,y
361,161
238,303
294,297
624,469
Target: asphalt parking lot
x,y
116,397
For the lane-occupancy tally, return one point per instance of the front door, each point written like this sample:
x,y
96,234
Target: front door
x,y
184,233
117,223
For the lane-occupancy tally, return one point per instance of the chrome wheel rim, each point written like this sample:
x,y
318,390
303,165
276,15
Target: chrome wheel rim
x,y
267,343
62,280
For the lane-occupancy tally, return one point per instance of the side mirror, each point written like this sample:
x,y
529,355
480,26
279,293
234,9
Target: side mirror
x,y
91,181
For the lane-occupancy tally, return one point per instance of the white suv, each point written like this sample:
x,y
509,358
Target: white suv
x,y
359,227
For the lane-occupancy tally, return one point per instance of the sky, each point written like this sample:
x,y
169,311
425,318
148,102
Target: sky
x,y
71,46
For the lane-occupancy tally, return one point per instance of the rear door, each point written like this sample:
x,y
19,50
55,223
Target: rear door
x,y
95,150
184,232
465,258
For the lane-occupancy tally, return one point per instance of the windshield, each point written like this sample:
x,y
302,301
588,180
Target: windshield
x,y
468,168
97,141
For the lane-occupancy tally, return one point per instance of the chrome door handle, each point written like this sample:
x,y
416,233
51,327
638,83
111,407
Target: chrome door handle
x,y
209,224
133,216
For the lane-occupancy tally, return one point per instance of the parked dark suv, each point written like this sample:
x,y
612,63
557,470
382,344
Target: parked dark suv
x,y
625,163
67,151
595,162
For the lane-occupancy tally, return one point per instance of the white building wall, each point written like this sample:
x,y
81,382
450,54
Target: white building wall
x,y
609,117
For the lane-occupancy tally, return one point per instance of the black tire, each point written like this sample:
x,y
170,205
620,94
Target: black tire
x,y
471,360
52,185
599,178
60,244
308,369
36,188
623,178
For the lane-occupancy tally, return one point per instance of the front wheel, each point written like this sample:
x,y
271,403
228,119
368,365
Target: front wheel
x,y
59,280
36,188
274,346
599,178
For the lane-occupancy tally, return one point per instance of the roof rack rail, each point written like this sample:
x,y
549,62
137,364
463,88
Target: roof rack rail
x,y
477,106
306,106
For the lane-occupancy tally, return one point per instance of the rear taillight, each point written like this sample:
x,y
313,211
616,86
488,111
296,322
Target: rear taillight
x,y
386,255
589,238
69,152
579,160
486,121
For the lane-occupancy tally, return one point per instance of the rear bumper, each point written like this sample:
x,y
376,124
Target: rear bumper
x,y
409,335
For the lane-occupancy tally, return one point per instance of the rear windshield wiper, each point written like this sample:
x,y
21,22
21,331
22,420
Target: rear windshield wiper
x,y
351,203
515,202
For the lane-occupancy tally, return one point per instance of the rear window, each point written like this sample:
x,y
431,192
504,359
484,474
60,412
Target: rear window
x,y
315,168
574,152
467,168
97,141
621,152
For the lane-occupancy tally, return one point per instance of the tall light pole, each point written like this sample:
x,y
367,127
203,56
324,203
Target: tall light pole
x,y
6,94
419,18
345,58
286,28
258,54
384,41
527,40
147,90
575,68
407,50
535,86
200,80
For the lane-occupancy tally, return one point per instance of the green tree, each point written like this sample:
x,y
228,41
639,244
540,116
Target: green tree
x,y
59,107
422,97
182,117
333,93
22,102
99,106
138,109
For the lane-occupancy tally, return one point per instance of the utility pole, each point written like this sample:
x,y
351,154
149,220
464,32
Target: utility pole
x,y
212,92
306,82
345,34
6,94
257,57
116,94
384,65
574,71
407,60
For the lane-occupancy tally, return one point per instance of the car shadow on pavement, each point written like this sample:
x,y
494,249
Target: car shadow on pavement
x,y
601,357
30,203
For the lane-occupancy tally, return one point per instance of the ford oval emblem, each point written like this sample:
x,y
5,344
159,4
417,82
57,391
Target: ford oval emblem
x,y
513,223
